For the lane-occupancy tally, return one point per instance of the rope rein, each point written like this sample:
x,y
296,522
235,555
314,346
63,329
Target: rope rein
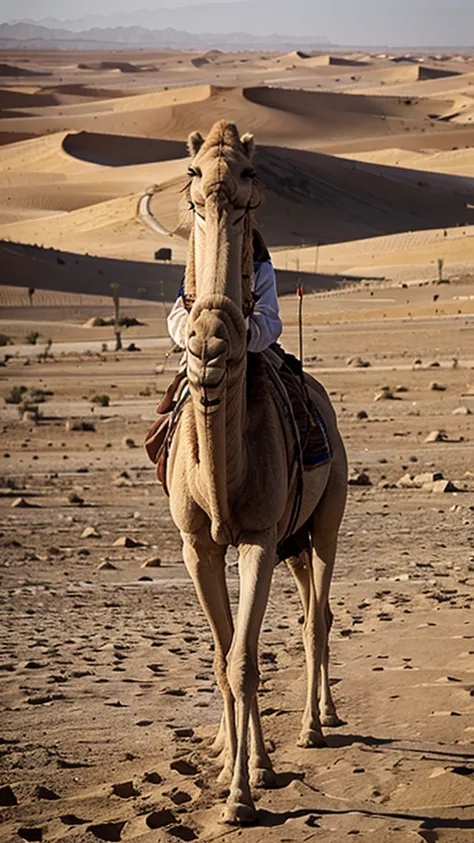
x,y
248,298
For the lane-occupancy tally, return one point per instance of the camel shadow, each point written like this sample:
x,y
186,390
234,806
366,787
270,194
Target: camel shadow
x,y
282,780
339,741
273,819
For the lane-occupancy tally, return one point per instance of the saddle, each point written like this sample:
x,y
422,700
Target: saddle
x,y
158,438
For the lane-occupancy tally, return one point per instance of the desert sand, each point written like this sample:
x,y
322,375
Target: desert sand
x,y
109,703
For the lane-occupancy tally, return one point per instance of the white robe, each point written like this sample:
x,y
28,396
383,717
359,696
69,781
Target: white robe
x,y
264,322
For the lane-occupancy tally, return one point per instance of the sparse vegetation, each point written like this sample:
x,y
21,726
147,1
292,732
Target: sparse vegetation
x,y
15,395
5,340
101,400
31,292
32,337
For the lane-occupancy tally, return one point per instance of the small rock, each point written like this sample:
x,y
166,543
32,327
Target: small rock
x,y
77,424
406,482
362,414
107,566
440,486
128,442
21,503
90,533
437,387
153,562
359,478
421,479
385,395
127,541
462,411
121,482
437,436
75,499
358,363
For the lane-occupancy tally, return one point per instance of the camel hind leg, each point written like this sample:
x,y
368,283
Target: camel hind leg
x,y
313,574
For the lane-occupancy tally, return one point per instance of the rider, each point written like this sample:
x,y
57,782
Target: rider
x,y
264,326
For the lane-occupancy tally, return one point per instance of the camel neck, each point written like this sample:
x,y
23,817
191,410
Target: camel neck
x,y
218,255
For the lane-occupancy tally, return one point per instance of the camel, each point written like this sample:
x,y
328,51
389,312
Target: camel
x,y
230,477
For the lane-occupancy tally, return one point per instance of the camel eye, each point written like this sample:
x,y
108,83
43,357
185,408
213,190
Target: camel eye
x,y
194,171
248,173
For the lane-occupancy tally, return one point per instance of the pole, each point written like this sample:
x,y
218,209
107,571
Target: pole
x,y
300,294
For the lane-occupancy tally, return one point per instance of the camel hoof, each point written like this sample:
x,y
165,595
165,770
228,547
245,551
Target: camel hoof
x,y
262,777
331,720
312,739
240,814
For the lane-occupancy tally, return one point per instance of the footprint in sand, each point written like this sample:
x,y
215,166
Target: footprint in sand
x,y
7,796
160,819
71,819
32,834
125,790
111,832
184,768
45,793
153,778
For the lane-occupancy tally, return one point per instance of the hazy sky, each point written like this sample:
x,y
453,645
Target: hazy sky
x,y
365,22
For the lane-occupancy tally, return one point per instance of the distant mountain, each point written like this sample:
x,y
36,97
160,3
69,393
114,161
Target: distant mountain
x,y
29,35
405,23
258,17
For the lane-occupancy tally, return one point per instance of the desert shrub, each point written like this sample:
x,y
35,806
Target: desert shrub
x,y
15,395
29,407
102,400
5,340
32,337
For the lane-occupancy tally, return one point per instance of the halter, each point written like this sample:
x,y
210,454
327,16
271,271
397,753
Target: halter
x,y
196,208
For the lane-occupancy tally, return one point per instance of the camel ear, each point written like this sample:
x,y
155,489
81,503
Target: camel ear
x,y
195,141
248,143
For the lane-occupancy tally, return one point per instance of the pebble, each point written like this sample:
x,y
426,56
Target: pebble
x,y
90,533
127,541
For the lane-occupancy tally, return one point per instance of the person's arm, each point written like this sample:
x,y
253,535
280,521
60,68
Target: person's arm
x,y
264,322
177,322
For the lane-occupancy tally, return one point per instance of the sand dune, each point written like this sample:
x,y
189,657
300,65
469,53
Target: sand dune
x,y
279,116
121,150
310,197
400,257
455,162
14,70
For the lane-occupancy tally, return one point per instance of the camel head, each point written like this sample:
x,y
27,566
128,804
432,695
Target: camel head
x,y
222,192
222,175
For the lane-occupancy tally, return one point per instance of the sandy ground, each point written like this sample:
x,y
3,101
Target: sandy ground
x,y
108,696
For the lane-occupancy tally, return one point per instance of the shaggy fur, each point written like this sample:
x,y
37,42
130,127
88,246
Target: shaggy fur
x,y
230,478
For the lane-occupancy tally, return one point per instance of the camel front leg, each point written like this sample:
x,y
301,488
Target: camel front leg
x,y
205,562
257,555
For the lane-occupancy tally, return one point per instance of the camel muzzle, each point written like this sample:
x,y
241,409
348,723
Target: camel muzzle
x,y
207,356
